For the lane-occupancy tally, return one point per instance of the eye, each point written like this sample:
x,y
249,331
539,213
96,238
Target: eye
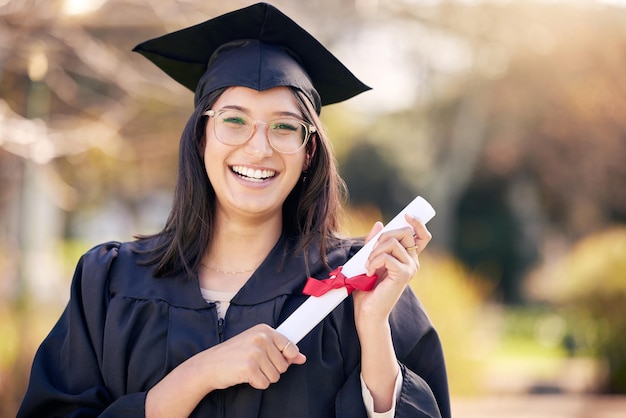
x,y
238,120
285,127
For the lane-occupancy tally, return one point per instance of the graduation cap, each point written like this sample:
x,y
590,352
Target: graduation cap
x,y
257,47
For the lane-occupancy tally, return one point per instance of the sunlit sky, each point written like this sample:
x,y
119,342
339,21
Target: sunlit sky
x,y
620,3
393,78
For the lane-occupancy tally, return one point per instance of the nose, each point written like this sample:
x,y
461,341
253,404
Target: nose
x,y
259,144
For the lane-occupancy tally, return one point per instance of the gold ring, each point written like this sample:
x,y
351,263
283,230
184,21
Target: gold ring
x,y
414,247
285,347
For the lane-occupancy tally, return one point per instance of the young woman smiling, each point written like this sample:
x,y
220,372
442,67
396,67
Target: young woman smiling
x,y
183,322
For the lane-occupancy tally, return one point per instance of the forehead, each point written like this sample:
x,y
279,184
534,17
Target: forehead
x,y
275,99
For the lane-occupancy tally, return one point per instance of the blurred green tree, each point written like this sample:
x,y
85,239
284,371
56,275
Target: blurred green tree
x,y
589,284
374,180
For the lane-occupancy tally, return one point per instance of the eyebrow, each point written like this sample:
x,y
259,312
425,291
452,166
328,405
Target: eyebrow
x,y
280,113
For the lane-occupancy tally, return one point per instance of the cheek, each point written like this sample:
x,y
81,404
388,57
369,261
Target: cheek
x,y
210,150
301,163
209,159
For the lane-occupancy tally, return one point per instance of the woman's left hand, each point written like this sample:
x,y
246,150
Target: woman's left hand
x,y
394,259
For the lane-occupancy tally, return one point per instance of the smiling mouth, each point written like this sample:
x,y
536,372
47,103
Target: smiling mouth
x,y
252,174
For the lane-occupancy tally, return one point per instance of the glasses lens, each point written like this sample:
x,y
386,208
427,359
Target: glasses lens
x,y
287,135
233,127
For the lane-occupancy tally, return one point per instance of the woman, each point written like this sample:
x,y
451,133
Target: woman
x,y
182,323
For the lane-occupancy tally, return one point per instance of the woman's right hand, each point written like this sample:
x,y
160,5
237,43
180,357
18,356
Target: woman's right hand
x,y
257,356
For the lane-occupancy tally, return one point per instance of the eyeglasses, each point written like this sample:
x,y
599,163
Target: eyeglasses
x,y
286,135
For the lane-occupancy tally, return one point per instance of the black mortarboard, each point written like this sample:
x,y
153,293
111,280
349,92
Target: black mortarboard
x,y
257,47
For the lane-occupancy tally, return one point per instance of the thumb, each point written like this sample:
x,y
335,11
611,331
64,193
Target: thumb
x,y
293,355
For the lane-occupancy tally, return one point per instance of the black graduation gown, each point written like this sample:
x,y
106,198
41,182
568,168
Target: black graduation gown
x,y
123,330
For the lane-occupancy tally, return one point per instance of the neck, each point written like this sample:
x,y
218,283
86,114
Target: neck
x,y
241,246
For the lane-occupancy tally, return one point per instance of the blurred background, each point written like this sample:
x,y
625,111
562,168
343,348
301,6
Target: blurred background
x,y
508,116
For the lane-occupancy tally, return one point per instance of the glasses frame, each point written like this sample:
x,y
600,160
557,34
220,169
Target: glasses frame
x,y
309,129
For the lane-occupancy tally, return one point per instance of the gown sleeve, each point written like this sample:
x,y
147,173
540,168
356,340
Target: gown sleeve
x,y
66,377
424,389
418,349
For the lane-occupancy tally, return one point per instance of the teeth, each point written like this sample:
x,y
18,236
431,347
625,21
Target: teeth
x,y
252,173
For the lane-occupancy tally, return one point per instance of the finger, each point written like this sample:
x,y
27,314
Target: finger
x,y
421,235
265,354
398,259
396,240
391,255
272,370
292,354
272,364
289,351
263,377
375,230
286,347
259,371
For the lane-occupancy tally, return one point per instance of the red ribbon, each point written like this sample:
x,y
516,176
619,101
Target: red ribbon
x,y
337,280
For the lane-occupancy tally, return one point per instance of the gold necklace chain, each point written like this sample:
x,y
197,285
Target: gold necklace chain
x,y
226,271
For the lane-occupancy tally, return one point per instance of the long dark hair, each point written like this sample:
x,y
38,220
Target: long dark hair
x,y
310,213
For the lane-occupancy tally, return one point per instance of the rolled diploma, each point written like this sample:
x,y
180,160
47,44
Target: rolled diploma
x,y
315,308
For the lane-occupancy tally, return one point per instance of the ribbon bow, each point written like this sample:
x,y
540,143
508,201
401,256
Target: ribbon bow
x,y
337,280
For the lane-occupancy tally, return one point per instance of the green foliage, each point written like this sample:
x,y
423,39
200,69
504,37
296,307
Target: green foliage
x,y
589,284
373,179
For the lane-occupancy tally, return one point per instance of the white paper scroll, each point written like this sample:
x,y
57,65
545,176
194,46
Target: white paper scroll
x,y
315,309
